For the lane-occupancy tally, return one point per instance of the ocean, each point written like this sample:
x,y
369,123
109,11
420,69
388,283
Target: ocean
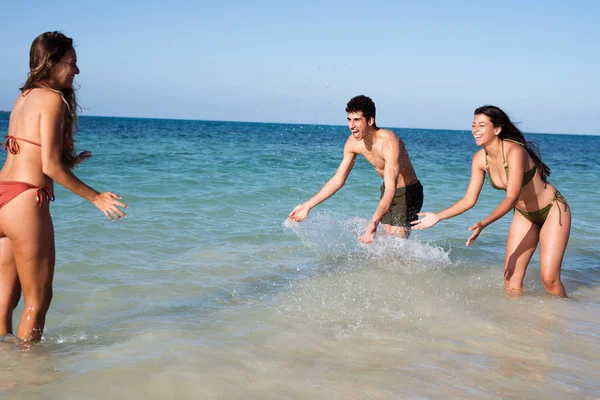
x,y
205,291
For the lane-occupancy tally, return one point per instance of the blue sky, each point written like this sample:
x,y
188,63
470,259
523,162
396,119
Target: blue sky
x,y
426,64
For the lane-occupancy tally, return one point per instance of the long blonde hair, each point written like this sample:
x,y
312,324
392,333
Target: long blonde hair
x,y
46,52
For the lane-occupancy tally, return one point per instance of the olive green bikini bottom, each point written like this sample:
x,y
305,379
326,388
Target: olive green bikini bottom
x,y
539,217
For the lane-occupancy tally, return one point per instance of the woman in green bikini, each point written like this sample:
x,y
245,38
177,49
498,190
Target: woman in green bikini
x,y
542,214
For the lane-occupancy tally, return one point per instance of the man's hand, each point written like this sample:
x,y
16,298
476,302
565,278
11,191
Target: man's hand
x,y
299,213
369,235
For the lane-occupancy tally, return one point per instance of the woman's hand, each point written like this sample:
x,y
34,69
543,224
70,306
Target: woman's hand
x,y
84,155
477,228
429,219
108,203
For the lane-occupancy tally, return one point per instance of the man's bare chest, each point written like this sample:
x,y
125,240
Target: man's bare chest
x,y
374,158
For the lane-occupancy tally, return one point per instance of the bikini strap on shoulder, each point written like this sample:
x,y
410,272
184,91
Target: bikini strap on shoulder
x,y
514,141
62,96
503,158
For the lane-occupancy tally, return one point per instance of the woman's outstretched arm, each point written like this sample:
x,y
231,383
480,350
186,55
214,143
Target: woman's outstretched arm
x,y
465,203
516,158
52,109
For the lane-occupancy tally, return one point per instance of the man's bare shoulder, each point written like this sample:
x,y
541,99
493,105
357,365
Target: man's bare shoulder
x,y
351,144
387,134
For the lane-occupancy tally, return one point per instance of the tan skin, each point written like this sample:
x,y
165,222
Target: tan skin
x,y
386,152
27,252
523,235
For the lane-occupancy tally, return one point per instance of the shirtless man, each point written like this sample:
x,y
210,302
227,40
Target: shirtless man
x,y
401,193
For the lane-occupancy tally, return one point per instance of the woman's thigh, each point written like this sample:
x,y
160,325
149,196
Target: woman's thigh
x,y
554,238
31,233
521,243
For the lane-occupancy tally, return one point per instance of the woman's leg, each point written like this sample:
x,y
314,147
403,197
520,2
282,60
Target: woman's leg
x,y
522,240
31,232
10,289
553,243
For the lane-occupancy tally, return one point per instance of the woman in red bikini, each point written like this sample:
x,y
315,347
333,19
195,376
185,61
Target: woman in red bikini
x,y
41,151
541,215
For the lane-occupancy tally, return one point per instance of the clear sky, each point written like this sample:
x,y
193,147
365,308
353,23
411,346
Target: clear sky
x,y
426,64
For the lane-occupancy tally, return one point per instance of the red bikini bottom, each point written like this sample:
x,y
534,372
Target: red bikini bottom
x,y
9,190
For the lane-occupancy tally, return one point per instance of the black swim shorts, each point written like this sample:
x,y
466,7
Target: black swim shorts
x,y
405,206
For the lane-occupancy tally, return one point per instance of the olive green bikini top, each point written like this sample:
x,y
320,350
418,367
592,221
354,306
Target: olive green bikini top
x,y
527,176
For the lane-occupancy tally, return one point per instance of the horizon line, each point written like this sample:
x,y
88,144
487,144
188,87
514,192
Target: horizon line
x,y
311,124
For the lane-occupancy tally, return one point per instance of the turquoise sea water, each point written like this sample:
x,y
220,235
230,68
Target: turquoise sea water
x,y
204,291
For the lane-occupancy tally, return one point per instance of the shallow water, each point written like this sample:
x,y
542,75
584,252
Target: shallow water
x,y
204,291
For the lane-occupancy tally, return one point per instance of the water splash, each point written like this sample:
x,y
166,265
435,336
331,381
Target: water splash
x,y
331,238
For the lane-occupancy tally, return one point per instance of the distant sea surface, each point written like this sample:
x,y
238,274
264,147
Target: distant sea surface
x,y
205,292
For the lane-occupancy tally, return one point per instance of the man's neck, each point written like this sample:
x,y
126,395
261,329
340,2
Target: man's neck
x,y
370,136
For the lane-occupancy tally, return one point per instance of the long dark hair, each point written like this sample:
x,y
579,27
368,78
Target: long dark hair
x,y
46,52
509,131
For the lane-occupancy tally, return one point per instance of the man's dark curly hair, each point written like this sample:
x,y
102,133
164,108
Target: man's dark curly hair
x,y
365,105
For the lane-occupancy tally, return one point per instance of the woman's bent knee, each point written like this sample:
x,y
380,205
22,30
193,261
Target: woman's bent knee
x,y
554,286
39,304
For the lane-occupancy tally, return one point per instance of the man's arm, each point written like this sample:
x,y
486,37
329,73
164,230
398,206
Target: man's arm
x,y
391,153
333,185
